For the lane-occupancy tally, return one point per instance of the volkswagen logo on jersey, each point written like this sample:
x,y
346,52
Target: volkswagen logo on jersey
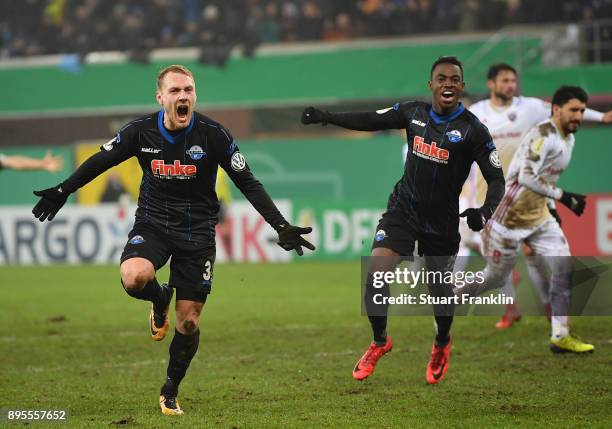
x,y
137,239
196,152
454,136
494,159
238,162
380,235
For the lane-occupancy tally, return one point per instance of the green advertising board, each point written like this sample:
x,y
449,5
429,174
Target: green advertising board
x,y
356,171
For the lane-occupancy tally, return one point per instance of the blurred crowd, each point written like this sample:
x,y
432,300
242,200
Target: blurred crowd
x,y
35,27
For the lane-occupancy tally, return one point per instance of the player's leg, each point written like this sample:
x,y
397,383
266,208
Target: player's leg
x,y
382,259
500,248
548,240
443,315
183,348
438,266
512,312
191,274
143,254
391,241
539,276
472,241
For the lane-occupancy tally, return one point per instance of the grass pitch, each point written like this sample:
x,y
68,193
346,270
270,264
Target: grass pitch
x,y
277,348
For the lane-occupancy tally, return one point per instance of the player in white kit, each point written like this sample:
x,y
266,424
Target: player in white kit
x,y
523,215
508,119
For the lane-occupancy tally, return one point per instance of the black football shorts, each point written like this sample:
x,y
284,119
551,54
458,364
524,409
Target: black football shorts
x,y
393,232
191,266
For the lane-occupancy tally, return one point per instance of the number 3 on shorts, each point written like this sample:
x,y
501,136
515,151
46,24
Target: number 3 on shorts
x,y
207,275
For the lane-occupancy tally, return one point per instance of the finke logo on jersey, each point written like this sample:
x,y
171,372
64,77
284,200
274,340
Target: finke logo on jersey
x,y
419,123
454,136
238,162
494,159
429,151
150,150
196,152
172,171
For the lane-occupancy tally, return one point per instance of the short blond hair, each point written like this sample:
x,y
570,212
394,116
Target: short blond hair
x,y
174,68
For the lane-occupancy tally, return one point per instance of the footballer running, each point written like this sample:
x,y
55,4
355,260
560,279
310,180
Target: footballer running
x,y
444,139
179,151
509,118
523,215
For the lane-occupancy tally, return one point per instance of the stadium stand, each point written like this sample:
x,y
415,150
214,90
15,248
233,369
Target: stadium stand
x,y
38,27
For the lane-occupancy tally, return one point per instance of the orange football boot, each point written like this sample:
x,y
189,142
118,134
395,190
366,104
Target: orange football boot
x,y
365,366
438,362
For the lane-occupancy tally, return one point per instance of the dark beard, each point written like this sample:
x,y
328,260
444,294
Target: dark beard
x,y
503,97
568,131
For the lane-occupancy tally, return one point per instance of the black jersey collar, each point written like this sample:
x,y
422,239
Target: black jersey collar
x,y
164,132
438,119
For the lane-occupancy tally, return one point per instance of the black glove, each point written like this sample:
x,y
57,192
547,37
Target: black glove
x,y
290,238
574,202
52,200
554,213
311,115
475,219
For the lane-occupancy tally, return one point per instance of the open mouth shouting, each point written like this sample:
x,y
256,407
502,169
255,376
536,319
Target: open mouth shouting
x,y
448,96
182,114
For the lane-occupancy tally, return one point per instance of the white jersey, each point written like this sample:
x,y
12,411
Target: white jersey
x,y
508,126
532,177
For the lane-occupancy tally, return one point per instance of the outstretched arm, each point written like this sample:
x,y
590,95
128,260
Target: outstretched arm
x,y
233,162
53,199
595,116
542,110
95,165
385,119
49,163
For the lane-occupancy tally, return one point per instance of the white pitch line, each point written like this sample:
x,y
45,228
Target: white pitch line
x,y
265,358
144,332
